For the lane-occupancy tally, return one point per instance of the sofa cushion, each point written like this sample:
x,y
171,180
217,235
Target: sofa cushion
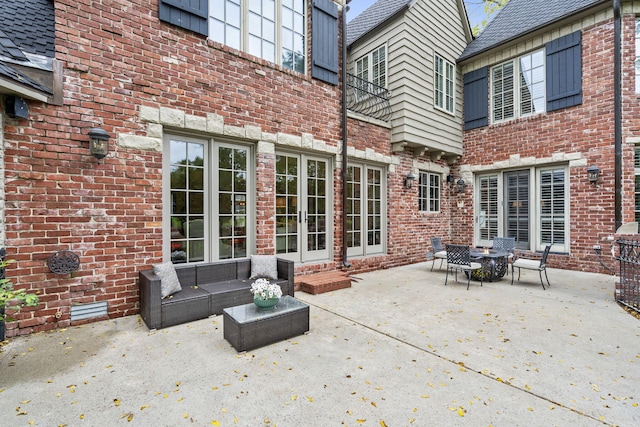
x,y
264,266
169,283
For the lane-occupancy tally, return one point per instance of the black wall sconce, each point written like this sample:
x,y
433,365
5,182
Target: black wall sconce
x,y
461,185
98,143
408,181
593,172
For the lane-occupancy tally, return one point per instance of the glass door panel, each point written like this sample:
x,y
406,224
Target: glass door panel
x,y
303,228
516,195
487,220
354,211
316,205
374,210
187,183
287,214
553,207
232,202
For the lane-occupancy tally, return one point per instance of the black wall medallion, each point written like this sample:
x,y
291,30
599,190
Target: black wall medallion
x,y
63,262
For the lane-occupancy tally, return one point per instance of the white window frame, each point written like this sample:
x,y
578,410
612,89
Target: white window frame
x,y
367,73
219,17
516,86
535,229
365,249
426,190
444,87
210,195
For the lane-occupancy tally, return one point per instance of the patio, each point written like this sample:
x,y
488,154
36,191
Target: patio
x,y
398,348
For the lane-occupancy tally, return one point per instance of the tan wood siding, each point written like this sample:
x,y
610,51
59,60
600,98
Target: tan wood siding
x,y
429,27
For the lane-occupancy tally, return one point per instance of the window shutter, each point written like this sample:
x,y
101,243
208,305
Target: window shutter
x,y
192,15
476,99
324,39
564,72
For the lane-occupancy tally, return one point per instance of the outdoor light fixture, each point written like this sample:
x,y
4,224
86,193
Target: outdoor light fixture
x,y
451,179
98,142
461,185
408,181
593,172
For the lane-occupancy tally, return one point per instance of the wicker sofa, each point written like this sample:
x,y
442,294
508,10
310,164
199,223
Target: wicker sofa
x,y
206,290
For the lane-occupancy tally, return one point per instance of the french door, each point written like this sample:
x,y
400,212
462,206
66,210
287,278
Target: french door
x,y
365,209
531,205
304,217
517,212
207,192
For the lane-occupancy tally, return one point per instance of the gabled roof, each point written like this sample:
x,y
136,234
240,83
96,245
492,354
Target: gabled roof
x,y
520,17
373,16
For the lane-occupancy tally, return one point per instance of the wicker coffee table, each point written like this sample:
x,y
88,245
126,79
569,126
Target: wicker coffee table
x,y
247,327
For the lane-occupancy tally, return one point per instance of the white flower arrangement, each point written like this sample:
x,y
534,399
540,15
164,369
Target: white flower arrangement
x,y
263,289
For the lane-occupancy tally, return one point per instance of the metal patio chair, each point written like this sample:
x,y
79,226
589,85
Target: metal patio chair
x,y
438,251
506,244
533,264
459,258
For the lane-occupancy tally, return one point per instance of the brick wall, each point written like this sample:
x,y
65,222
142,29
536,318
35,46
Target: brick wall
x,y
408,230
118,58
580,136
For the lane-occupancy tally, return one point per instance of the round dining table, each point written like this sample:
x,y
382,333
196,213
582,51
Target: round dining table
x,y
495,263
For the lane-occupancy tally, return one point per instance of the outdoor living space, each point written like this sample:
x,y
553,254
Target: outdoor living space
x,y
397,348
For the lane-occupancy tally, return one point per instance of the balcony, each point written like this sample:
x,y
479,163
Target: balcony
x,y
367,98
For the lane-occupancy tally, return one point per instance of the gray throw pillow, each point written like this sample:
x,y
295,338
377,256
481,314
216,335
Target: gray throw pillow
x,y
169,283
264,266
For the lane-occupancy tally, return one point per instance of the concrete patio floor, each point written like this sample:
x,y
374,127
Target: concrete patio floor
x,y
398,348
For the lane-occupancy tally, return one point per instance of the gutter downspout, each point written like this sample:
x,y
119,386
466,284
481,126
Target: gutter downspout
x,y
617,104
345,8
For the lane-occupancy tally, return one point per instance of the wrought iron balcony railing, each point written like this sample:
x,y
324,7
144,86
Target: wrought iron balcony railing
x,y
367,98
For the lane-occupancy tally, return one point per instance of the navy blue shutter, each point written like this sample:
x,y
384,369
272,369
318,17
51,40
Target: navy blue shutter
x,y
476,98
564,72
324,40
192,15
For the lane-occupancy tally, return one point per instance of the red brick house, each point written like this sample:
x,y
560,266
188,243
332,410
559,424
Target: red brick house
x,y
223,141
541,110
224,124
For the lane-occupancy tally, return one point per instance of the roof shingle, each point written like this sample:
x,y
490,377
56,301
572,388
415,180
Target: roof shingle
x,y
520,17
29,25
373,16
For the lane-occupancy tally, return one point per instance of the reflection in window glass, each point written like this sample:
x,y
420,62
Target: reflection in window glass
x,y
194,218
429,192
261,26
187,193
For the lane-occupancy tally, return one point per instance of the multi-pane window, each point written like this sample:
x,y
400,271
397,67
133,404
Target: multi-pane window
x,y
188,177
444,84
429,192
207,192
637,63
273,30
232,192
552,207
513,97
530,205
365,210
372,67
